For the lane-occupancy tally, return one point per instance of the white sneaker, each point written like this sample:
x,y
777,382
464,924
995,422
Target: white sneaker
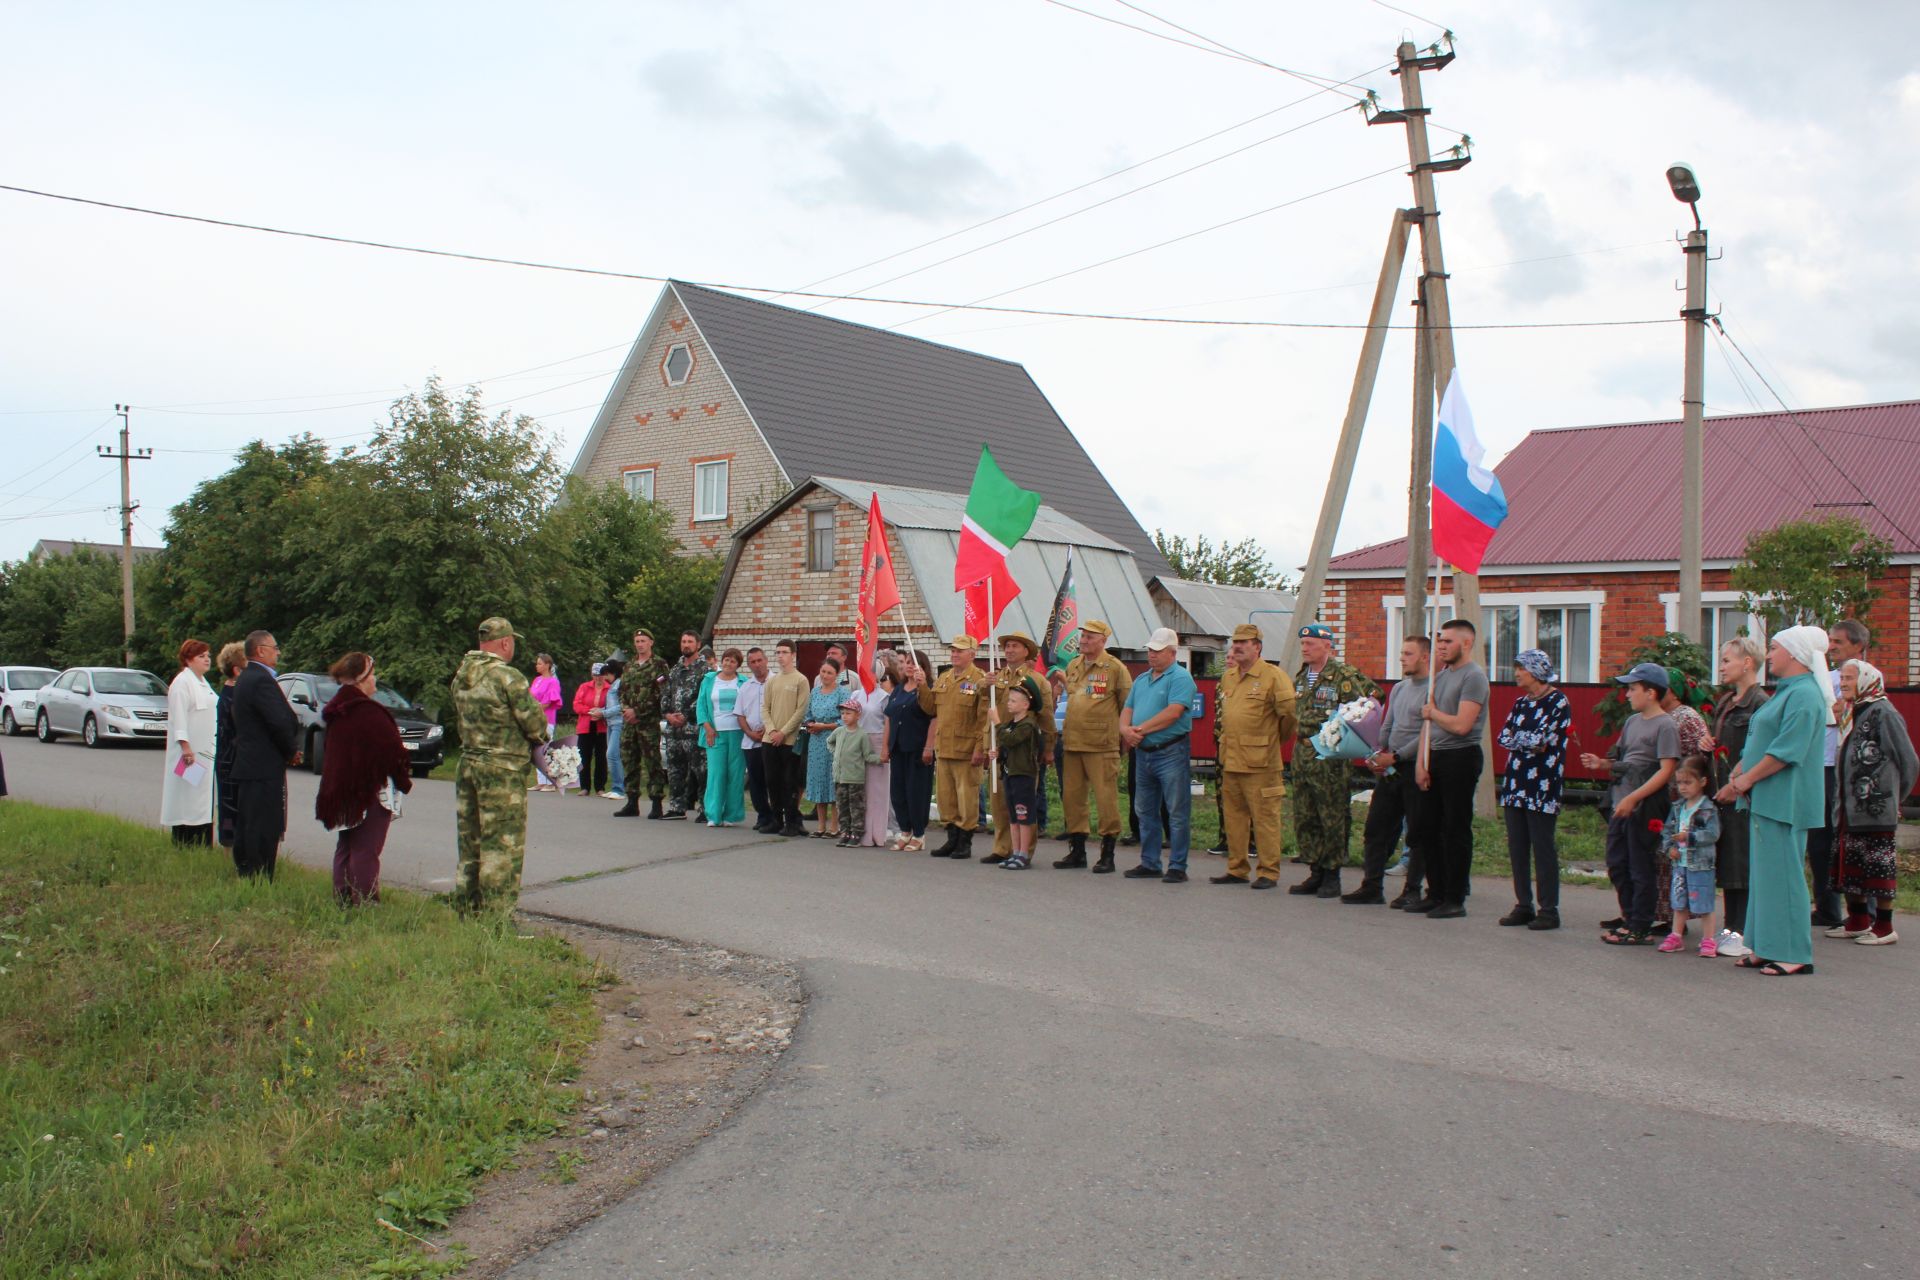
x,y
1397,869
1732,944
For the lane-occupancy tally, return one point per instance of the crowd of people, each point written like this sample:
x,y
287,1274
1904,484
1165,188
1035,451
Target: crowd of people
x,y
1714,823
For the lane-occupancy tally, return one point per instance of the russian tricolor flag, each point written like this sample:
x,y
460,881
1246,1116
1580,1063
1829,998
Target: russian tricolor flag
x,y
1468,503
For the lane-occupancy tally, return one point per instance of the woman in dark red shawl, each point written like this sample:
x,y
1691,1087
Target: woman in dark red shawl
x,y
363,775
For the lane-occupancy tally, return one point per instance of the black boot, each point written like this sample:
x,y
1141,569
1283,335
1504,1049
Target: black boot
x,y
1330,885
953,838
1311,884
964,849
1076,853
1105,865
631,809
655,812
1367,895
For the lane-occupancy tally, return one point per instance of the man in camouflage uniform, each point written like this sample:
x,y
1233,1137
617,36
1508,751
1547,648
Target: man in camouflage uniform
x,y
1322,798
499,724
686,757
641,689
1254,714
1017,651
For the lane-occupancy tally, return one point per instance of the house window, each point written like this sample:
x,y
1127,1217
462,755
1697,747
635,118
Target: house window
x,y
639,483
820,540
1721,619
1565,634
1500,633
710,490
678,366
1563,624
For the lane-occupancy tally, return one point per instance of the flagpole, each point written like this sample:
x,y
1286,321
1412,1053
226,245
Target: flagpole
x,y
1433,642
993,694
907,631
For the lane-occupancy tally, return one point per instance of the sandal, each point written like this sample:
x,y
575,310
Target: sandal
x,y
1774,969
1629,938
1751,962
913,844
1017,862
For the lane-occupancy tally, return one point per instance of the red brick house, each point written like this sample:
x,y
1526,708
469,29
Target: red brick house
x,y
1584,574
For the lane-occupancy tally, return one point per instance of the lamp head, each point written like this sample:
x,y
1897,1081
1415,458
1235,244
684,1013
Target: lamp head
x,y
1686,187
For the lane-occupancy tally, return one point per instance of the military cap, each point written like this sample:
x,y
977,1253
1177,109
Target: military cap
x,y
963,641
1096,626
1023,638
1316,631
642,631
498,629
1029,686
1247,631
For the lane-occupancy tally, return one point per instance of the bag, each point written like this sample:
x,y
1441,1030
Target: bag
x,y
390,797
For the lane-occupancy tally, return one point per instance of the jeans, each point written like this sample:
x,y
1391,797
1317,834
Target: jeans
x,y
1632,850
786,776
1164,778
1449,823
1535,858
756,762
616,771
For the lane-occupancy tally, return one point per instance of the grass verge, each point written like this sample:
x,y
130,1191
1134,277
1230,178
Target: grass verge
x,y
204,1076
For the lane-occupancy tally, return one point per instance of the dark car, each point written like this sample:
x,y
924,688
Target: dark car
x,y
310,693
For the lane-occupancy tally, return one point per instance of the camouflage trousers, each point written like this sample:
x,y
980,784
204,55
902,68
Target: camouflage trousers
x,y
686,771
1322,808
490,818
640,758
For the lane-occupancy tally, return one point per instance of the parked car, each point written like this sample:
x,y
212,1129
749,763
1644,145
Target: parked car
x,y
102,705
19,694
310,693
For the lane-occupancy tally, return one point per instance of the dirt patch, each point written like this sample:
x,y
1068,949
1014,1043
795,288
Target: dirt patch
x,y
688,1034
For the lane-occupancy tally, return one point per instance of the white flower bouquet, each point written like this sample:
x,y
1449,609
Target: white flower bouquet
x,y
1352,732
560,761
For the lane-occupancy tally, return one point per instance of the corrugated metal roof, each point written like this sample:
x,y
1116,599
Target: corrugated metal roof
x,y
905,508
837,398
1106,581
1570,501
1217,609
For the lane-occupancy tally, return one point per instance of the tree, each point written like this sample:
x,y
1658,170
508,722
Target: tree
x,y
1673,650
61,611
1812,571
1232,564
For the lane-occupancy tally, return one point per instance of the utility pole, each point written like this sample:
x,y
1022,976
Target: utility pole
x,y
1686,189
1420,472
128,506
1347,451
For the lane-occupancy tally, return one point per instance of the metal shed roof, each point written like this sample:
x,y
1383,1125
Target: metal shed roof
x,y
1216,609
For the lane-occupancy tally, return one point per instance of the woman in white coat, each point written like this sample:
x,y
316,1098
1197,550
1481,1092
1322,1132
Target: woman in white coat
x,y
187,806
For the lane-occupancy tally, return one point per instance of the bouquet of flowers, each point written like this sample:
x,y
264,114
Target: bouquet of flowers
x,y
559,760
1353,732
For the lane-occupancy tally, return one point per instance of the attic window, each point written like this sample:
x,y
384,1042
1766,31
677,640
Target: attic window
x,y
678,366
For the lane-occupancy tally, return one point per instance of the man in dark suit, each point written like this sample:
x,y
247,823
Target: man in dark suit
x,y
266,737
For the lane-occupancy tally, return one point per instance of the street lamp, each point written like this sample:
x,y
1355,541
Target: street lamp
x,y
1686,189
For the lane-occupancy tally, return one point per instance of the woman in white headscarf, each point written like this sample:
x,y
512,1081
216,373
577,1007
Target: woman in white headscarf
x,y
1876,771
1782,776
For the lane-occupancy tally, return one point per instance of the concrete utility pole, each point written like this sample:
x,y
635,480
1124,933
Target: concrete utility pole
x,y
1347,451
128,506
1686,189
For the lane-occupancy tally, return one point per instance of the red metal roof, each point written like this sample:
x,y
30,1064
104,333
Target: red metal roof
x,y
1569,502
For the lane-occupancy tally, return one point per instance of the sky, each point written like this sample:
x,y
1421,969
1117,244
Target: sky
x,y
787,146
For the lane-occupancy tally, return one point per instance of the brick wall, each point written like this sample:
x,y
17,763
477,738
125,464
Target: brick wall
x,y
667,428
773,596
1631,611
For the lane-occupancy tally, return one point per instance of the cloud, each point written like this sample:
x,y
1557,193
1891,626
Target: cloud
x,y
880,169
1531,233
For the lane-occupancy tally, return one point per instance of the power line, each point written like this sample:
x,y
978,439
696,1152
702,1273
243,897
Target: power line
x,y
801,293
1302,76
1445,27
1158,35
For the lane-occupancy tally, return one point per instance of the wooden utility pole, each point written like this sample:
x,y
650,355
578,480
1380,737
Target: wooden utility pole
x,y
127,457
1420,471
1347,451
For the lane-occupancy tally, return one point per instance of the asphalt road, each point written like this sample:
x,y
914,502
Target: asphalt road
x,y
1066,1075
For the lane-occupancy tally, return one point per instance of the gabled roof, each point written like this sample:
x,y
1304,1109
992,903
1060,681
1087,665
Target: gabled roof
x,y
1215,609
1569,502
832,397
926,523
49,548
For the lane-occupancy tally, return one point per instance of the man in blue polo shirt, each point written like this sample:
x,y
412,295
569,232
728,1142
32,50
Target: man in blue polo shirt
x,y
1155,725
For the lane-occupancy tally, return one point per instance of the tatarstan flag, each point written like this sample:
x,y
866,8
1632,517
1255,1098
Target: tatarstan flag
x,y
999,513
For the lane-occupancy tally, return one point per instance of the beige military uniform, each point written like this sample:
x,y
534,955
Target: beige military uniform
x,y
1096,694
1255,718
1003,680
958,699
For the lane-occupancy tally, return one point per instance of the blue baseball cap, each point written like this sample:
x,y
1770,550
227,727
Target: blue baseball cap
x,y
1650,673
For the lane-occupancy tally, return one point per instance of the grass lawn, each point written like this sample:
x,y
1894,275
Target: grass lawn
x,y
202,1076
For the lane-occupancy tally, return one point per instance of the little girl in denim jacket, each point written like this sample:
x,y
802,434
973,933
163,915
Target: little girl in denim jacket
x,y
1688,839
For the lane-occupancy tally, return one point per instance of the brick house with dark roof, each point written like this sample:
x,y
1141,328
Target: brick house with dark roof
x,y
725,403
1583,574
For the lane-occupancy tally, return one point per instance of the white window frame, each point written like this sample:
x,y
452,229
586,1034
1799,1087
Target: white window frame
x,y
1717,601
666,359
628,477
1527,601
704,514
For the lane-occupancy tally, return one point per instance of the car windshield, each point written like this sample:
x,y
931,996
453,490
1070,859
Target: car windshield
x,y
29,679
128,682
328,686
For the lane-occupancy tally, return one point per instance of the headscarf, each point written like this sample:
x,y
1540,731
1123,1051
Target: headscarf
x,y
1808,647
1686,690
1869,685
1537,664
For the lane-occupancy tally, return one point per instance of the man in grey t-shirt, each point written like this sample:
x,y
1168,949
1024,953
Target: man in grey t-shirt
x,y
1396,799
1456,716
1641,763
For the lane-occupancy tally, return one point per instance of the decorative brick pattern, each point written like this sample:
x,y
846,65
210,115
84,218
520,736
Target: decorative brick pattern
x,y
651,425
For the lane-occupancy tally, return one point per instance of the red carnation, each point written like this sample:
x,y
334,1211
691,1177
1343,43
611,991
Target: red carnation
x,y
1656,826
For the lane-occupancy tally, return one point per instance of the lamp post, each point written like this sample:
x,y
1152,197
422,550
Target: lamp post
x,y
1686,189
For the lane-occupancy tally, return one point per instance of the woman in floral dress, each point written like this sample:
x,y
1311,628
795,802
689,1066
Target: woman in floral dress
x,y
1535,737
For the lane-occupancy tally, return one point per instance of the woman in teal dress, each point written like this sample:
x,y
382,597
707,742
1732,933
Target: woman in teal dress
x,y
725,801
1783,778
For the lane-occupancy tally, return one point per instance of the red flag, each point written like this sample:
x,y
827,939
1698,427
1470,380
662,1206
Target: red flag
x,y
879,591
976,621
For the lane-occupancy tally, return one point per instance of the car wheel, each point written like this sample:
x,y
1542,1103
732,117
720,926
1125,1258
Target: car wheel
x,y
316,749
90,731
43,727
8,723
422,770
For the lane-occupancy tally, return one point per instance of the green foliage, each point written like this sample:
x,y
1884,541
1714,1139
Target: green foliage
x,y
1812,571
62,611
1232,564
1671,649
226,1077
